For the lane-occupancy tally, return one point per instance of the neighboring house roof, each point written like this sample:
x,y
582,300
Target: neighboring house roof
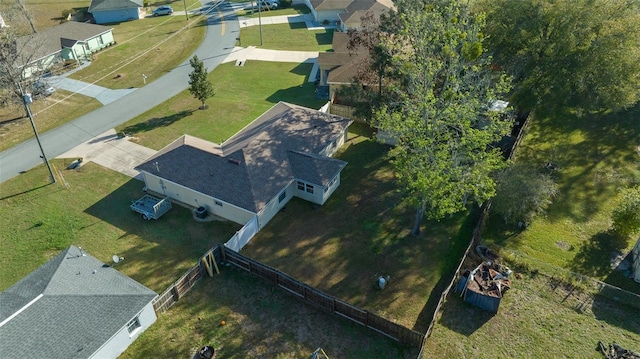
x,y
42,44
343,63
351,11
358,8
253,166
68,308
331,4
108,5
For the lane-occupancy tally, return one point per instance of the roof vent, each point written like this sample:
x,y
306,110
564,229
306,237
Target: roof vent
x,y
234,161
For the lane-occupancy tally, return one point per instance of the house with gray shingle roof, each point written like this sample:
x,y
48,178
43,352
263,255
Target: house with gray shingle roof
x,y
347,13
284,153
73,307
68,41
111,11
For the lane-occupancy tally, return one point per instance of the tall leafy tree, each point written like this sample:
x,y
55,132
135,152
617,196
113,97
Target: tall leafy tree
x,y
435,106
199,85
578,53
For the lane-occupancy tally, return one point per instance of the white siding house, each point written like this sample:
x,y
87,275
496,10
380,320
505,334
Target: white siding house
x,y
73,307
257,171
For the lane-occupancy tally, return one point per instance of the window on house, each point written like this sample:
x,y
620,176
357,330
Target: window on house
x,y
133,325
301,186
309,188
100,41
282,196
218,203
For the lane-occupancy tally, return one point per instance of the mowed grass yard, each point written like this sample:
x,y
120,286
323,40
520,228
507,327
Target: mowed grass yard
x,y
361,233
242,95
292,36
539,318
92,211
597,156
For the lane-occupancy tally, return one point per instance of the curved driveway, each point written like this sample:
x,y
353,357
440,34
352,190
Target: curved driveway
x,y
219,41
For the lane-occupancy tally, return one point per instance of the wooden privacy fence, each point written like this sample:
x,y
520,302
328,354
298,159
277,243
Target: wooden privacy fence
x,y
325,301
180,287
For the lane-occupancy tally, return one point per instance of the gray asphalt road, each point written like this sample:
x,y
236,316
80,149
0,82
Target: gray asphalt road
x,y
221,33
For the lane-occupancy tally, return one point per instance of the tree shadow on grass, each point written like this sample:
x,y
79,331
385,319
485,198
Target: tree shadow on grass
x,y
156,122
594,256
462,317
611,307
452,259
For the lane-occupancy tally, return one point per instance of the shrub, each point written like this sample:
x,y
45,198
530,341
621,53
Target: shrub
x,y
626,216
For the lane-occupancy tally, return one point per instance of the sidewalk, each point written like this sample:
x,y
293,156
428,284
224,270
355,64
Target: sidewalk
x,y
284,19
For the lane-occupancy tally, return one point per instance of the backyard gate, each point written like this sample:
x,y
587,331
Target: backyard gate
x,y
242,237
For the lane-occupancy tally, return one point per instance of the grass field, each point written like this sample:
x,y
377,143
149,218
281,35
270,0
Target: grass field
x,y
242,94
39,220
597,156
292,36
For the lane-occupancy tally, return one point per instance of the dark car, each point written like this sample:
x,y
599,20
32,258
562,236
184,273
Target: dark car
x,y
162,10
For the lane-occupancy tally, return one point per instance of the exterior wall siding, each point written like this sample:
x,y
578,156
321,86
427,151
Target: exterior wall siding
x,y
332,188
110,16
275,205
328,15
196,199
122,339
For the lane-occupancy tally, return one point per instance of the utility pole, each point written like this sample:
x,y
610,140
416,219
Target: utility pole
x,y
260,19
185,9
26,97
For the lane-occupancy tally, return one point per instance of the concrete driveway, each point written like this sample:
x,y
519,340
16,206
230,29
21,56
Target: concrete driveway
x,y
113,152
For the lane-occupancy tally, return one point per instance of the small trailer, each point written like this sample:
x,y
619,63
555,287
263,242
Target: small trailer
x,y
151,207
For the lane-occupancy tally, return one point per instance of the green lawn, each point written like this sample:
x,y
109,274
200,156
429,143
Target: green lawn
x,y
596,156
293,36
362,232
92,211
242,94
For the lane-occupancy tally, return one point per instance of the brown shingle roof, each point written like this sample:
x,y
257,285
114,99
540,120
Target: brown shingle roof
x,y
254,165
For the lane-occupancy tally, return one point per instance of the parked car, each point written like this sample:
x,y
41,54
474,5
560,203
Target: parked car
x,y
162,10
42,88
268,4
